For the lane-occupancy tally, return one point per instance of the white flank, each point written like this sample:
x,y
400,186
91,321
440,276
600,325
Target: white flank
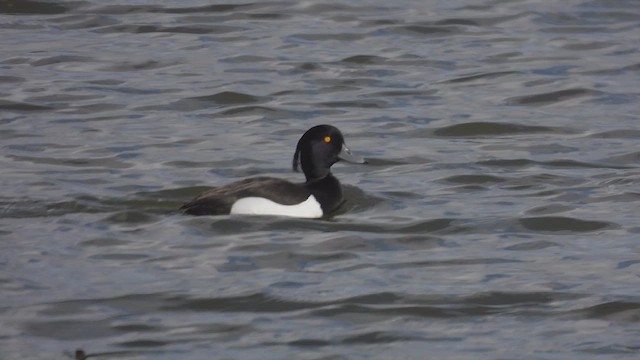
x,y
310,208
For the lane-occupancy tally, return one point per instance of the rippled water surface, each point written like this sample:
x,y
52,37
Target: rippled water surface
x,y
497,218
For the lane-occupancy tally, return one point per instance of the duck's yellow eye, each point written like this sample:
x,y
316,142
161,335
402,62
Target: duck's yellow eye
x,y
327,139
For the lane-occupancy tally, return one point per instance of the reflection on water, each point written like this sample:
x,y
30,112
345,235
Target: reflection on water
x,y
497,215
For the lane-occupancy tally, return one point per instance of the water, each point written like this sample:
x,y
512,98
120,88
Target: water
x,y
497,218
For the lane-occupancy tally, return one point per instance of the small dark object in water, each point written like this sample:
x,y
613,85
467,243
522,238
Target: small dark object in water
x,y
80,355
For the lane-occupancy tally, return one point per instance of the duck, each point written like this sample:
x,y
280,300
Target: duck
x,y
320,195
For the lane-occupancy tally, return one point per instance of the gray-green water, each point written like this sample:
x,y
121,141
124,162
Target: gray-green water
x,y
497,219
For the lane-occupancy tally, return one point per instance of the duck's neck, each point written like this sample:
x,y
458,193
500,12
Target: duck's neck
x,y
327,191
312,173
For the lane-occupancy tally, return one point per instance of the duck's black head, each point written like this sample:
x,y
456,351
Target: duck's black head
x,y
319,148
